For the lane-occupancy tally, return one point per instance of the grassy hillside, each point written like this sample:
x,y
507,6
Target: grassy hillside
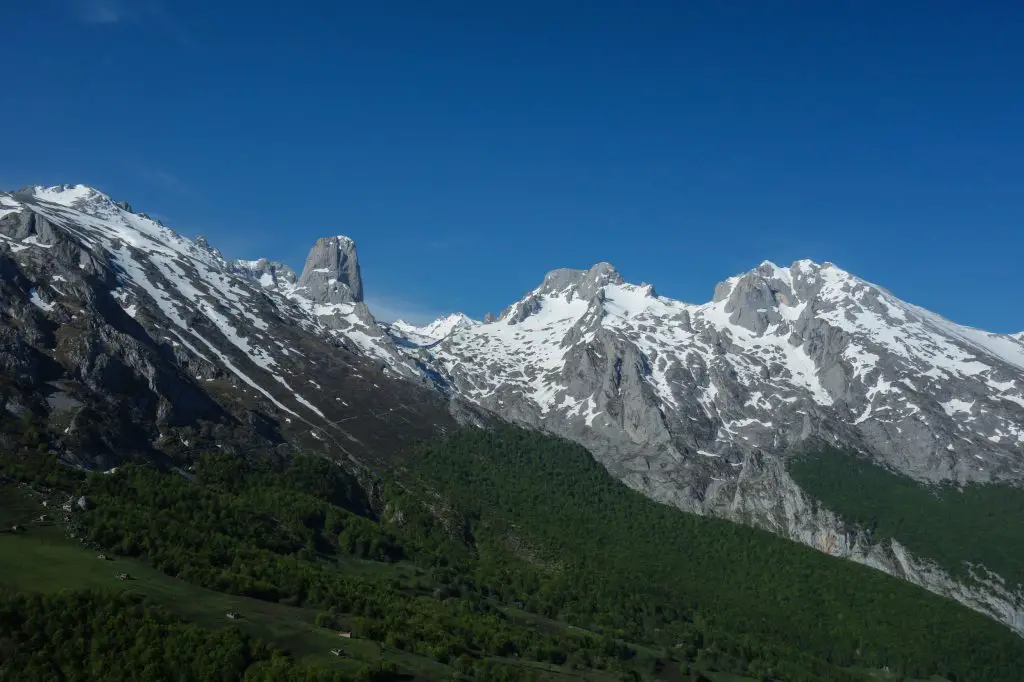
x,y
497,555
44,560
980,524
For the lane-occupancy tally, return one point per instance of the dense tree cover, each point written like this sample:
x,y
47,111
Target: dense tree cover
x,y
520,519
24,455
619,560
93,636
252,530
313,476
39,469
266,540
980,524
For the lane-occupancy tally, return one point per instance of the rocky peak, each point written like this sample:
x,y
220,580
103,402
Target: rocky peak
x,y
439,329
581,283
331,273
769,294
571,285
203,243
270,274
520,310
451,322
81,197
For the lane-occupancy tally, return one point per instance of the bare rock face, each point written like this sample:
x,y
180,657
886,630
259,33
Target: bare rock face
x,y
331,274
330,290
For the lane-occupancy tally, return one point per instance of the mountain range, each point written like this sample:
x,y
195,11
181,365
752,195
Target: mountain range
x,y
132,342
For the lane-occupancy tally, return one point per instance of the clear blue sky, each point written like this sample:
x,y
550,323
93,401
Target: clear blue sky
x,y
470,147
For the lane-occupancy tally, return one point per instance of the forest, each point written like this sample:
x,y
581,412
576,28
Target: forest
x,y
959,527
630,563
92,636
501,531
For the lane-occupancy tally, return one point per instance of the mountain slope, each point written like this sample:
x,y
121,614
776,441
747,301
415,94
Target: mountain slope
x,y
945,522
701,405
490,541
129,340
548,501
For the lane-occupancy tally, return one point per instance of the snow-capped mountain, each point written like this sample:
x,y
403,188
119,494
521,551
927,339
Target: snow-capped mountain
x,y
330,290
778,355
131,340
429,334
698,405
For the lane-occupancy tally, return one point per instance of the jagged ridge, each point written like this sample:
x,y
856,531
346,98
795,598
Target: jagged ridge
x,y
111,313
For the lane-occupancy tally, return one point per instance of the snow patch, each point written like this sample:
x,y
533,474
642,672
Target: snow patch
x,y
39,302
955,405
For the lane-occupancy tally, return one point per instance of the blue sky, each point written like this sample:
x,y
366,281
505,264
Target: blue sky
x,y
469,147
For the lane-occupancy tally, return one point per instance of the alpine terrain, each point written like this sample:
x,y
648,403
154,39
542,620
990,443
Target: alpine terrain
x,y
127,336
133,343
701,405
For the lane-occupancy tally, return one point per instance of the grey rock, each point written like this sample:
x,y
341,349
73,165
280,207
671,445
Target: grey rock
x,y
269,274
330,291
581,283
331,273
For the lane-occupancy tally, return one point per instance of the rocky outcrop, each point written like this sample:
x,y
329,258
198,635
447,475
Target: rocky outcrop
x,y
270,274
331,274
330,290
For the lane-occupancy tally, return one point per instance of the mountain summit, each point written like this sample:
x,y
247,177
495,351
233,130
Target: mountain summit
x,y
331,274
745,370
434,331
